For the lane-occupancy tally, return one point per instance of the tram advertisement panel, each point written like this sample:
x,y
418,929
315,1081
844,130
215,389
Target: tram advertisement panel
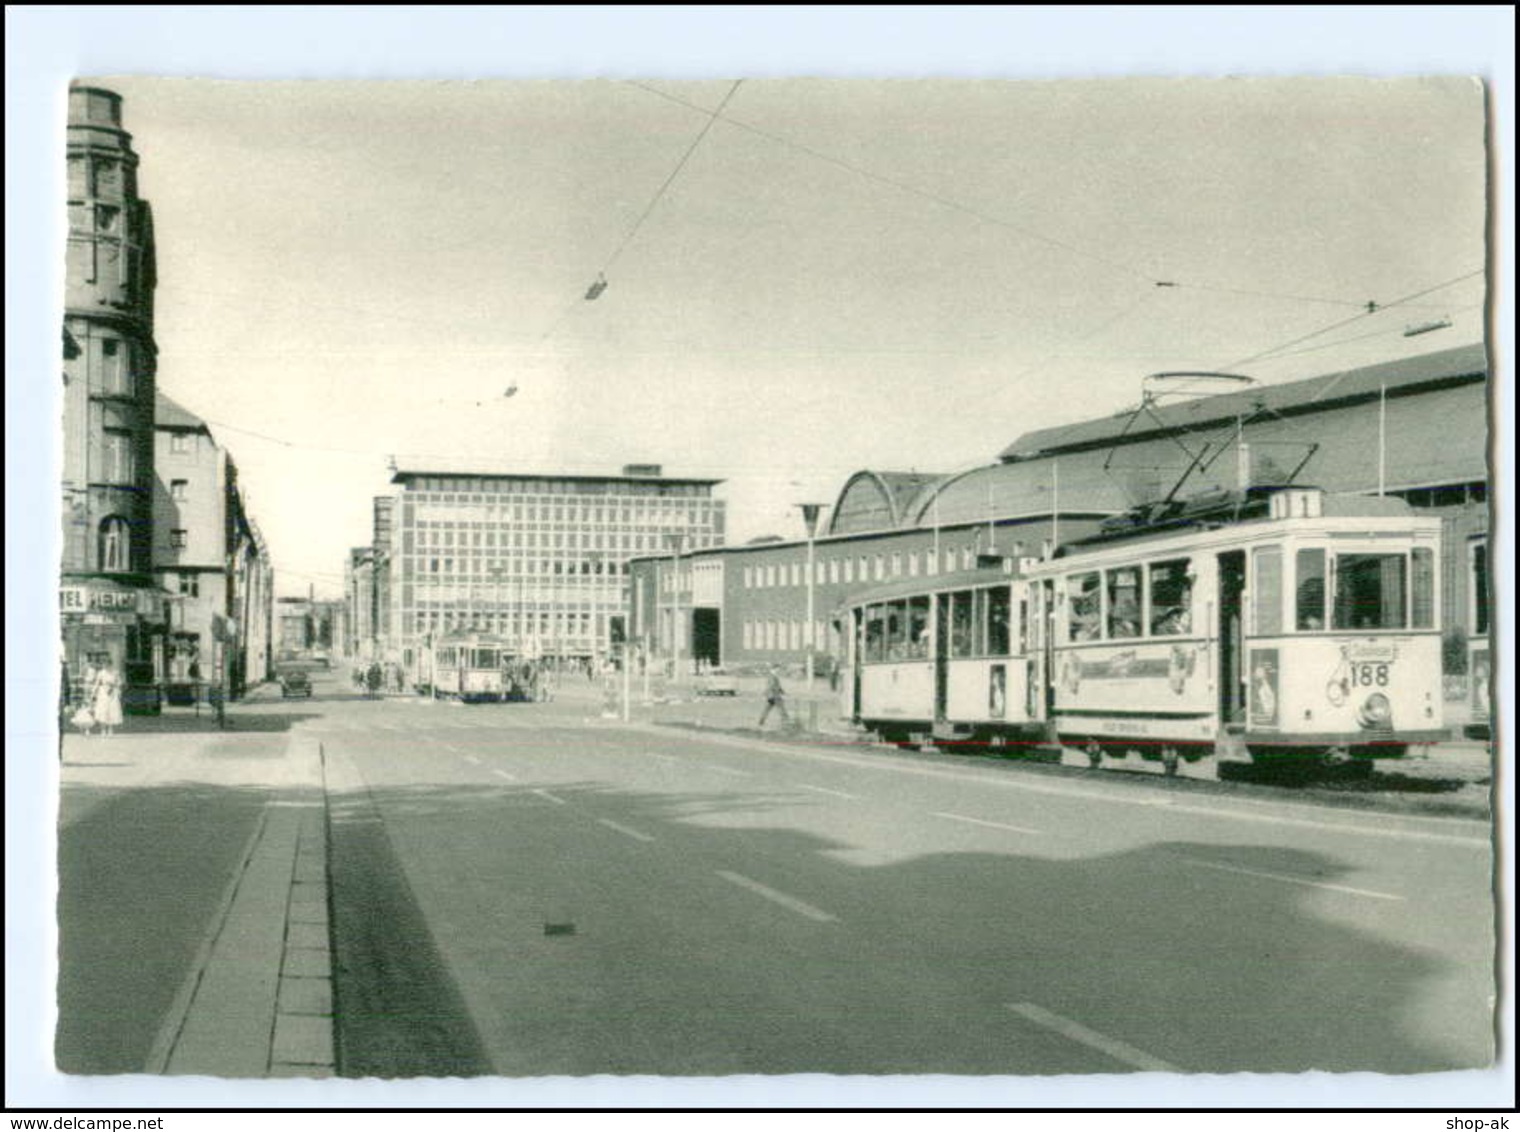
x,y
1264,697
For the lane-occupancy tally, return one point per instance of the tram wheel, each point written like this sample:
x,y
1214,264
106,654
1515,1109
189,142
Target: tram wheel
x,y
1169,761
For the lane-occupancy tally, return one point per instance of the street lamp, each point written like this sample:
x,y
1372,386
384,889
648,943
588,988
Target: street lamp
x,y
810,513
675,538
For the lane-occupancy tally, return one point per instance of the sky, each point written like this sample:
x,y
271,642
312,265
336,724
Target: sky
x,y
838,276
804,277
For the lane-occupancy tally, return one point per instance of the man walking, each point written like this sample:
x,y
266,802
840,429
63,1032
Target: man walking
x,y
775,697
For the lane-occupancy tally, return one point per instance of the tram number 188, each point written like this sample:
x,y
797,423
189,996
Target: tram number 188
x,y
1369,675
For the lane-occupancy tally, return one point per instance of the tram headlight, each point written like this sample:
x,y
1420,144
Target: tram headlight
x,y
1376,711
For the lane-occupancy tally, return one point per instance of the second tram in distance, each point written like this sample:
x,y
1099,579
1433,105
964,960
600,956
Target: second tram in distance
x,y
470,667
1280,625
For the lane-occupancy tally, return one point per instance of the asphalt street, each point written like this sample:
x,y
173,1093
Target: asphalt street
x,y
532,889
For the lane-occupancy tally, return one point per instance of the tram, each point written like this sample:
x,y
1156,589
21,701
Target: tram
x,y
1479,655
950,660
471,667
1273,625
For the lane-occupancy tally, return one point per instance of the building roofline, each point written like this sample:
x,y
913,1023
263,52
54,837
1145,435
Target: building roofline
x,y
401,475
1460,365
890,532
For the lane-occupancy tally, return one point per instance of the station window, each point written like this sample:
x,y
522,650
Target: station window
x,y
1479,583
1422,589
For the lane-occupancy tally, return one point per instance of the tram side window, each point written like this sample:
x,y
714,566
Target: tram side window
x,y
1171,598
999,621
1422,585
1123,603
1266,563
897,631
1310,573
918,627
485,658
876,634
1369,591
1084,610
961,621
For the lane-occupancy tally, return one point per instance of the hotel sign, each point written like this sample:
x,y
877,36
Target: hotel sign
x,y
85,599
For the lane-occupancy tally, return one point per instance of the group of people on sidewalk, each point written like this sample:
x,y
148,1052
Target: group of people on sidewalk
x,y
97,702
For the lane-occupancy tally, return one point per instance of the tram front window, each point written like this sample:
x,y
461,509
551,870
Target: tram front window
x,y
1310,572
1369,591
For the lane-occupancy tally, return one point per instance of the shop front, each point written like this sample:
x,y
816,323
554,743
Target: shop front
x,y
107,622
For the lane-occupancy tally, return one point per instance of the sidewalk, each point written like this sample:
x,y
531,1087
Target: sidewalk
x,y
193,901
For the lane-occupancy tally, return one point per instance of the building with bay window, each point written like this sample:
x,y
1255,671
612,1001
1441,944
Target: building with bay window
x,y
111,610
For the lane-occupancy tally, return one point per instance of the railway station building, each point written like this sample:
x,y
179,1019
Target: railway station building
x,y
1416,428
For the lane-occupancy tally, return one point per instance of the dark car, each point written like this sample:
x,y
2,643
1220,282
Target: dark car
x,y
295,682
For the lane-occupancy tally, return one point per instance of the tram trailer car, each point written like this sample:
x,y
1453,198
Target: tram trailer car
x,y
470,669
949,660
1281,626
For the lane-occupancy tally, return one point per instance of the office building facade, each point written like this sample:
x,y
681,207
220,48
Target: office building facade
x,y
538,560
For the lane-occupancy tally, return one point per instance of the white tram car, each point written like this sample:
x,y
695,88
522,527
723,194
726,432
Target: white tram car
x,y
1275,625
951,660
470,667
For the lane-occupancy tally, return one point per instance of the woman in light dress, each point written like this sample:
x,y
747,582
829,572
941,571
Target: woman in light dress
x,y
107,699
84,715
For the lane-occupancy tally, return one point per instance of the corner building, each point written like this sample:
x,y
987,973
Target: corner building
x,y
539,560
110,607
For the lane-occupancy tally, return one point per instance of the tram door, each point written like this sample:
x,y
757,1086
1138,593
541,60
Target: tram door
x,y
1232,585
857,658
941,656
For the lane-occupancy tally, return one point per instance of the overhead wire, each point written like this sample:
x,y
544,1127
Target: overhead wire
x,y
902,186
1371,308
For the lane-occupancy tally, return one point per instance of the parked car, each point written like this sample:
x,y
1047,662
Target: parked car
x,y
295,682
717,682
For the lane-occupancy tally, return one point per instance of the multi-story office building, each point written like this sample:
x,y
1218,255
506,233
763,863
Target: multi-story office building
x,y
111,610
209,557
538,559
